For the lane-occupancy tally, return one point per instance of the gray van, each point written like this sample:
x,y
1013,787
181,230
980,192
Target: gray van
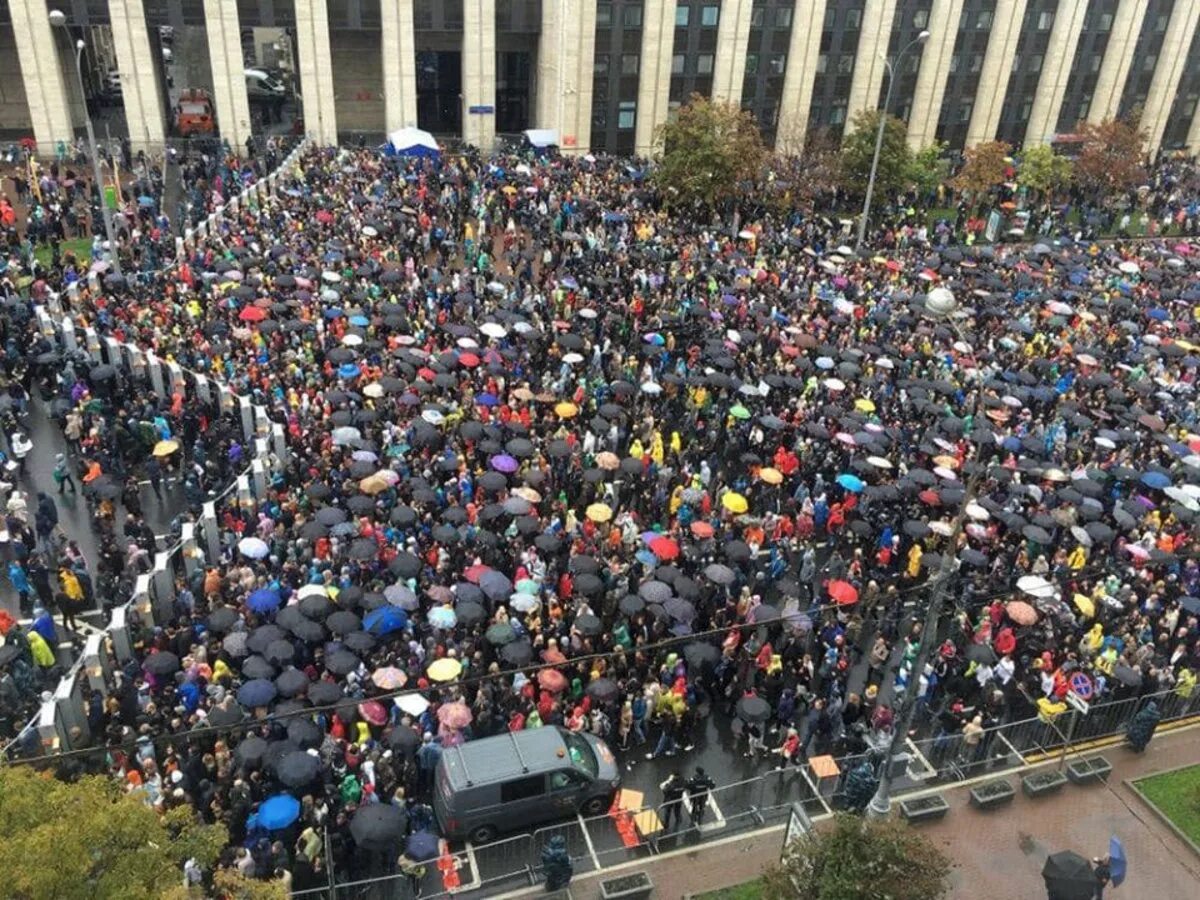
x,y
521,778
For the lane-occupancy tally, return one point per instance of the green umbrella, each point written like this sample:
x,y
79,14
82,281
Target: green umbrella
x,y
740,412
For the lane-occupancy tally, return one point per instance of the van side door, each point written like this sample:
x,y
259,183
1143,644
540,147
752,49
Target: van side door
x,y
524,798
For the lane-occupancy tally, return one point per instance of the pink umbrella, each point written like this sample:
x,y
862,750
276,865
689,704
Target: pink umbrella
x,y
455,715
373,712
552,680
389,678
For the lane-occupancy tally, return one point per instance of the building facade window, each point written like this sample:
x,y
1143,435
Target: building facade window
x,y
626,114
709,16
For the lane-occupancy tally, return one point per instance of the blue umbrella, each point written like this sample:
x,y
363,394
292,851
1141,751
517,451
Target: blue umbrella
x,y
278,812
360,321
1158,314
258,692
1156,480
486,399
850,482
442,617
1118,865
385,620
348,370
264,600
422,846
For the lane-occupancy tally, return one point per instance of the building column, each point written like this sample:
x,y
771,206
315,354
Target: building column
x,y
399,65
1193,135
479,73
228,71
1167,73
733,37
803,49
654,80
944,17
43,73
869,66
316,70
1118,57
566,55
997,65
1056,72
140,91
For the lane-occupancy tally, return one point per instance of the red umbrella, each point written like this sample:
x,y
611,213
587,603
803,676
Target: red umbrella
x,y
474,573
930,497
470,360
664,548
373,712
552,680
843,593
1006,641
702,530
1021,612
252,314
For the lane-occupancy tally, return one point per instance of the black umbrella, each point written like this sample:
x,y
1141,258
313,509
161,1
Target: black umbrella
x,y
631,604
250,750
299,768
262,636
699,654
224,715
603,690
315,606
753,709
359,642
342,662
518,653
324,693
162,663
1069,876
404,740
588,625
280,652
257,667
378,826
291,683
343,622
982,654
221,619
305,733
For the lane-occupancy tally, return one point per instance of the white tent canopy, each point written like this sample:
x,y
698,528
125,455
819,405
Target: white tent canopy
x,y
542,137
413,140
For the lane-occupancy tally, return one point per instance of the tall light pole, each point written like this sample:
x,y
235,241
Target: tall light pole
x,y
940,304
59,20
890,65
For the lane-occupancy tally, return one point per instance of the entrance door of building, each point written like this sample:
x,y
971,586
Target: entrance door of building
x,y
439,91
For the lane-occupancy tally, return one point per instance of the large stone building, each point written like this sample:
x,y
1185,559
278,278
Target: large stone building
x,y
605,74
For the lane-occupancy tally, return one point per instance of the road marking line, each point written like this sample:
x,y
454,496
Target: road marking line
x,y
587,838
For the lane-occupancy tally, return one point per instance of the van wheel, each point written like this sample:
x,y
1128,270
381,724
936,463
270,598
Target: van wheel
x,y
595,806
483,834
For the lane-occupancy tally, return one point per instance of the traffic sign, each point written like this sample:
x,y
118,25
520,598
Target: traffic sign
x,y
1081,683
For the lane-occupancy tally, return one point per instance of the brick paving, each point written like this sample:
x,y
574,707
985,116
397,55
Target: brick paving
x,y
997,855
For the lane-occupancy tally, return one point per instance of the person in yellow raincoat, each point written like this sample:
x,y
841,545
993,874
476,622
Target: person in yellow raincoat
x,y
1094,639
1078,558
656,449
42,654
676,443
676,499
1185,684
914,561
636,450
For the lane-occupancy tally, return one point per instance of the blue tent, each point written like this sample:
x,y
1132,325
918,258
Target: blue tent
x,y
412,142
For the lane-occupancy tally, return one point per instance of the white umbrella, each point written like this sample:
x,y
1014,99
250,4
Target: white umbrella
x,y
253,548
413,704
312,590
1036,586
493,330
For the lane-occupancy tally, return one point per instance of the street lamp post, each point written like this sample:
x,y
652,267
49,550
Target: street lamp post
x,y
59,20
940,303
890,65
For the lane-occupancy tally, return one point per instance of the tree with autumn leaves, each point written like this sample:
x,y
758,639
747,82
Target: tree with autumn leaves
x,y
88,840
1112,158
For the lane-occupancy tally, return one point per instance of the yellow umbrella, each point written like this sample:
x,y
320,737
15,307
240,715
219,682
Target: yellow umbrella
x,y
948,461
509,189
373,484
1085,605
444,669
599,512
165,448
566,410
770,475
862,404
735,503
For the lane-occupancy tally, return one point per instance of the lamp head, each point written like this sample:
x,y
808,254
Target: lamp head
x,y
79,44
922,37
940,302
57,18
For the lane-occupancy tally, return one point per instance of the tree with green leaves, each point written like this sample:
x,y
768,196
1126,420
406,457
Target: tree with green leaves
x,y
858,149
87,840
860,859
711,152
984,167
927,168
1043,171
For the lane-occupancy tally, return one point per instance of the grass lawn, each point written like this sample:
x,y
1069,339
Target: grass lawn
x,y
1177,794
750,890
81,247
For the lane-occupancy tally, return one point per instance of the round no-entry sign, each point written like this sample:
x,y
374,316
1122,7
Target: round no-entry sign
x,y
1081,684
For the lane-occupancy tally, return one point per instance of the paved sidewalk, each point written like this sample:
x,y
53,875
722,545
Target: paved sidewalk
x,y
998,855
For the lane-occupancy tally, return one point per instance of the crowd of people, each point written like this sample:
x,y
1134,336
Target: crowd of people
x,y
559,457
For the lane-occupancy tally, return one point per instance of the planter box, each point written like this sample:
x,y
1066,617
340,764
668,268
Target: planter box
x,y
635,886
1043,783
1091,769
992,794
925,809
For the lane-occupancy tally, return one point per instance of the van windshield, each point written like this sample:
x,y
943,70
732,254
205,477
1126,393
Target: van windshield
x,y
581,754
